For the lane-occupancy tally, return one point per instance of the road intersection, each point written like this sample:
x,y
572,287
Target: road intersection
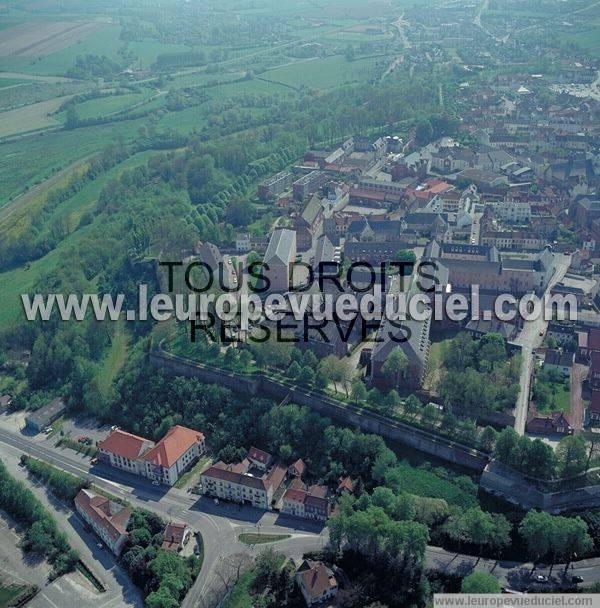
x,y
221,525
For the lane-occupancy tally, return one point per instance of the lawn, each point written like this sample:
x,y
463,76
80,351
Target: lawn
x,y
437,349
198,468
260,539
21,280
147,51
96,108
7,594
559,399
10,82
30,118
86,198
31,160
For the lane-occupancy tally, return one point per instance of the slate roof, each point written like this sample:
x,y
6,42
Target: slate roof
x,y
281,246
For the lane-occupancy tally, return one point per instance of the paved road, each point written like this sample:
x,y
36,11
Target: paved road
x,y
73,590
529,339
221,525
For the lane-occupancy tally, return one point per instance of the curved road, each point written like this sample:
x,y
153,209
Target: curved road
x,y
221,525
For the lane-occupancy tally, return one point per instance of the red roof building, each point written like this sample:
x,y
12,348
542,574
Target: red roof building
x,y
554,424
123,450
311,503
316,583
176,536
247,481
174,454
297,468
109,519
259,458
164,461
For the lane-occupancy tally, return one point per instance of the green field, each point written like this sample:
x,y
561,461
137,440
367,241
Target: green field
x,y
560,400
104,41
147,51
326,73
114,359
7,594
588,39
95,108
29,161
10,82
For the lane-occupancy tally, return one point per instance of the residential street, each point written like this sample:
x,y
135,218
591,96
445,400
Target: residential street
x,y
530,339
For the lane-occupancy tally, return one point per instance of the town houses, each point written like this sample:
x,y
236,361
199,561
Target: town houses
x,y
263,482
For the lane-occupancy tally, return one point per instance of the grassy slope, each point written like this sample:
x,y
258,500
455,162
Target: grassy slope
x,y
29,161
240,596
21,280
114,359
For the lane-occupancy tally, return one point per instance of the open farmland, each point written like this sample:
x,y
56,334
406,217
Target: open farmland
x,y
29,161
30,118
44,38
326,73
102,39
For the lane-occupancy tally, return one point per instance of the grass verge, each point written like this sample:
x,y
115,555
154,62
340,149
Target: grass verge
x,y
260,539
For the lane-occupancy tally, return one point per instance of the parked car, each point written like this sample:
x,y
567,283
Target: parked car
x,y
94,460
540,578
217,501
155,483
577,579
82,439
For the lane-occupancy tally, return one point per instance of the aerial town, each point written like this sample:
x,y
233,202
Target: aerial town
x,y
436,152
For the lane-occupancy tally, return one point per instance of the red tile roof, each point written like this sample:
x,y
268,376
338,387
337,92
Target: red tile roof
x,y
173,446
317,580
236,473
548,424
110,515
345,485
295,495
299,466
173,536
125,444
259,456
